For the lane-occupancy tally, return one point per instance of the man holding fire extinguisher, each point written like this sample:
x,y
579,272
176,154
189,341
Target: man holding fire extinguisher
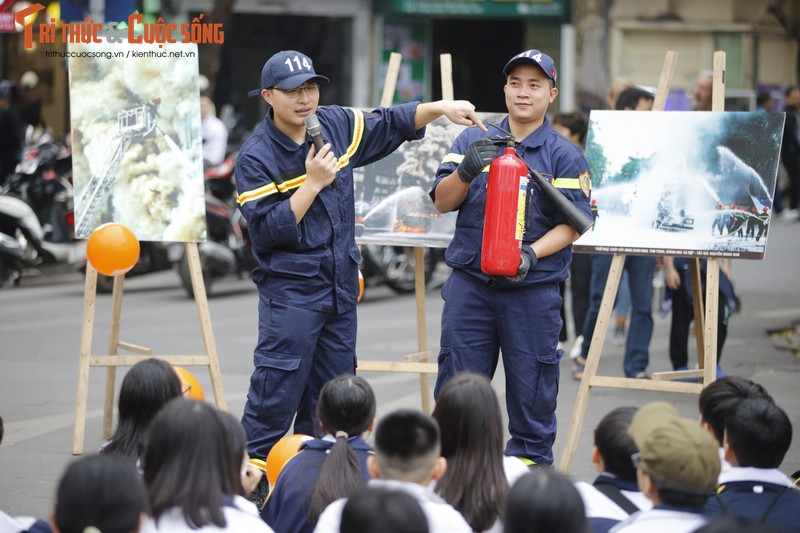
x,y
517,313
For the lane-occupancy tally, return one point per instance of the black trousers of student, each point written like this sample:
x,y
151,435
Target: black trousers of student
x,y
682,316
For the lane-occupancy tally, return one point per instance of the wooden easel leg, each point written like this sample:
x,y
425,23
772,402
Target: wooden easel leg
x,y
592,361
113,344
699,313
711,321
422,333
87,328
201,300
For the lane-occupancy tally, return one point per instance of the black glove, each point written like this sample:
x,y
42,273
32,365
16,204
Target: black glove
x,y
479,154
527,262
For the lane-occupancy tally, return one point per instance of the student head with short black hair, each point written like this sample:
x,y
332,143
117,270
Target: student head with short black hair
x,y
102,492
544,501
614,445
408,448
380,510
721,397
407,458
757,434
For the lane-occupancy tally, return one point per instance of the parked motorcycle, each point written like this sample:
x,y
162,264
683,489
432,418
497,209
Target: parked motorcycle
x,y
227,250
395,266
22,244
12,263
43,179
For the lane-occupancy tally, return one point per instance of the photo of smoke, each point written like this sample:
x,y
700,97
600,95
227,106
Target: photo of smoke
x,y
392,202
137,148
696,184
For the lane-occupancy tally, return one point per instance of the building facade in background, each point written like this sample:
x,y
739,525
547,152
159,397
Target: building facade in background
x,y
592,41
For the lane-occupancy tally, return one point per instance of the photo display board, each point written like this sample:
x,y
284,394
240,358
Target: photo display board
x,y
137,147
696,184
392,202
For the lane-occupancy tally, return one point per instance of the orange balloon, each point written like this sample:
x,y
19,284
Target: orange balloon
x,y
279,455
360,285
112,249
189,384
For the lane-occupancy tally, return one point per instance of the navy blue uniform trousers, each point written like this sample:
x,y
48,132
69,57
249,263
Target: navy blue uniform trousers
x,y
478,323
299,350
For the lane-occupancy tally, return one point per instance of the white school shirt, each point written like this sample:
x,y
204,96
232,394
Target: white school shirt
x,y
598,505
660,521
442,517
243,518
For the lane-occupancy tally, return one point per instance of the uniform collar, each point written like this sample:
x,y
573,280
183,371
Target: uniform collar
x,y
537,138
749,474
621,484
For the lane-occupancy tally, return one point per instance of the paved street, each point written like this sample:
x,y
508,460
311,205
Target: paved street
x,y
40,328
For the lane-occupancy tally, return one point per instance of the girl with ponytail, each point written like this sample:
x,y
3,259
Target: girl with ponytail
x,y
326,468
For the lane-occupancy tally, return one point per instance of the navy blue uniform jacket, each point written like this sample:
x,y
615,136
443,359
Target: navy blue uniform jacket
x,y
286,509
314,264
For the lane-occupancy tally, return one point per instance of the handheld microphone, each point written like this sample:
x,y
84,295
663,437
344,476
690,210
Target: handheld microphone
x,y
314,130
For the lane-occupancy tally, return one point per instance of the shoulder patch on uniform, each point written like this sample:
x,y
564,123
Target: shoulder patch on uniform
x,y
585,183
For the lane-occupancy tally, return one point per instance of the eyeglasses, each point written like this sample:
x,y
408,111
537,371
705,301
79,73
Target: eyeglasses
x,y
636,459
312,89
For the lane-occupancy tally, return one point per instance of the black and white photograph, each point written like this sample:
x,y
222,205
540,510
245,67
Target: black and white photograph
x,y
136,139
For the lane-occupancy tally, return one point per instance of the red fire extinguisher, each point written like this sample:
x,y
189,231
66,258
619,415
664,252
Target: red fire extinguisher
x,y
504,218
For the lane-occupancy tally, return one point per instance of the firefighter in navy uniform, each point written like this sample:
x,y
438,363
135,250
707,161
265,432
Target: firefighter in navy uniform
x,y
518,316
302,226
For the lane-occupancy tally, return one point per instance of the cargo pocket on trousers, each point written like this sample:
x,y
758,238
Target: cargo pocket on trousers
x,y
547,384
279,386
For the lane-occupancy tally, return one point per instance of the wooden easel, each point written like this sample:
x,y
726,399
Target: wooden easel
x,y
706,322
112,360
416,362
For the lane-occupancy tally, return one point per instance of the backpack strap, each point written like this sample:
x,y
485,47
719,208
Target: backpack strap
x,y
613,493
763,517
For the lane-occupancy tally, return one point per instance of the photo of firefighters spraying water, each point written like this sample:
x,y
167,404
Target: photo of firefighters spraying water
x,y
682,183
137,148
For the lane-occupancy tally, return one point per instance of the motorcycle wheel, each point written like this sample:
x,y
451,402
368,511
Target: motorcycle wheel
x,y
398,265
186,278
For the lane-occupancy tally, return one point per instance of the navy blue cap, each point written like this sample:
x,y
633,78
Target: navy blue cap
x,y
287,69
533,57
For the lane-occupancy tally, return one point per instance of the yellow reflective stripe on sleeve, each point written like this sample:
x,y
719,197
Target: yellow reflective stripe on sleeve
x,y
344,160
453,158
272,188
458,158
567,183
259,463
358,134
